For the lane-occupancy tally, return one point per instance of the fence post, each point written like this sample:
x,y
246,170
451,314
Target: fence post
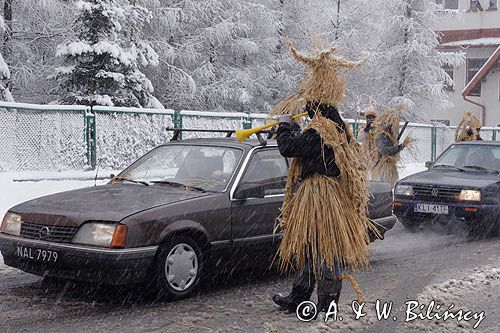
x,y
355,127
247,122
90,138
178,122
433,143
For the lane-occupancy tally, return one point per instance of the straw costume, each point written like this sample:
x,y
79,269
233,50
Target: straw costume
x,y
323,216
366,137
468,128
388,147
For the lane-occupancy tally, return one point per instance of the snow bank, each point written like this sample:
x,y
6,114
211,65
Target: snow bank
x,y
454,289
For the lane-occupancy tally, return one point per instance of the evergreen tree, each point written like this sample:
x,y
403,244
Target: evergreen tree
x,y
5,94
102,66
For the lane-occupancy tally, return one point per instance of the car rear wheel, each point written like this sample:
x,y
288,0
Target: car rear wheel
x,y
179,267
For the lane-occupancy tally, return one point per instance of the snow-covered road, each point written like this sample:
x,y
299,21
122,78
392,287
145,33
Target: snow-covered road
x,y
405,267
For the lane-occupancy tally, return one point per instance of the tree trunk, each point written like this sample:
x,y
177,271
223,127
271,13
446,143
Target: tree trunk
x,y
7,37
338,21
404,62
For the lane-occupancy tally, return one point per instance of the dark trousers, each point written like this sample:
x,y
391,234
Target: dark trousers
x,y
329,284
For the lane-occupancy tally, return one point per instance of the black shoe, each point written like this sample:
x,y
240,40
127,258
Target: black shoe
x,y
324,301
286,303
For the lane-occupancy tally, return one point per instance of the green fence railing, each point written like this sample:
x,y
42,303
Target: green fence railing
x,y
66,137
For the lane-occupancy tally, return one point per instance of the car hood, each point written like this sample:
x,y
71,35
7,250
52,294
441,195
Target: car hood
x,y
112,202
452,178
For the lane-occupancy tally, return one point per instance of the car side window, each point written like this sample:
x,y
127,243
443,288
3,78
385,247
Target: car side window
x,y
268,168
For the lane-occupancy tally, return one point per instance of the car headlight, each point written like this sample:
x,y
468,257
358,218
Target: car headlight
x,y
101,234
11,224
406,190
470,195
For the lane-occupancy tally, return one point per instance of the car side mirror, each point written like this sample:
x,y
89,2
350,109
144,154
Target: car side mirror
x,y
428,164
248,190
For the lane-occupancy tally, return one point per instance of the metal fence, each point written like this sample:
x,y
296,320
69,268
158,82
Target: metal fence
x,y
72,137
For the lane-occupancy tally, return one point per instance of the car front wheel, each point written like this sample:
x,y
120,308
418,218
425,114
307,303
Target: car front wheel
x,y
179,267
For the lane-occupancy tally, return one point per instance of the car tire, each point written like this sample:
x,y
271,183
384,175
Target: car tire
x,y
411,227
179,268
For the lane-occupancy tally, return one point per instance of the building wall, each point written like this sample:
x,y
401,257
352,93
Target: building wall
x,y
488,18
469,25
490,91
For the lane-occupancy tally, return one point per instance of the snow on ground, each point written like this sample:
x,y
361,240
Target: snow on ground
x,y
465,294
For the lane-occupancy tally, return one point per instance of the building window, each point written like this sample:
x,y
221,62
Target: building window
x,y
448,85
448,4
475,5
473,66
493,4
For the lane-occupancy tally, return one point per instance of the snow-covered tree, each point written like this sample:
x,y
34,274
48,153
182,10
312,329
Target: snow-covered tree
x,y
5,94
218,54
102,66
406,64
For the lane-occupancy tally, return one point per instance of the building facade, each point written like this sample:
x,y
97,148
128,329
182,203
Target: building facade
x,y
475,30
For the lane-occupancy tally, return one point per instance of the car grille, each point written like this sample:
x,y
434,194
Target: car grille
x,y
444,193
55,233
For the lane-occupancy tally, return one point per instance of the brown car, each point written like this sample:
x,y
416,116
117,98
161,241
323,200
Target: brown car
x,y
183,211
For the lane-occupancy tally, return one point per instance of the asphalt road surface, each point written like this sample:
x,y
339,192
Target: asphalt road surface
x,y
409,270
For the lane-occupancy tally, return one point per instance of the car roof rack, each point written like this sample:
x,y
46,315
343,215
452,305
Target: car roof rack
x,y
229,133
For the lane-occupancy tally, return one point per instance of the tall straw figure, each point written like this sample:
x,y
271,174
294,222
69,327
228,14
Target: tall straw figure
x,y
323,217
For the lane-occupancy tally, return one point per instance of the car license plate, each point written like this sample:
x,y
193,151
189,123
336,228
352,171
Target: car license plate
x,y
36,254
431,209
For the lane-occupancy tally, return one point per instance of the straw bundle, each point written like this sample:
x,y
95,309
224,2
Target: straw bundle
x,y
470,121
325,220
386,166
369,149
321,83
292,104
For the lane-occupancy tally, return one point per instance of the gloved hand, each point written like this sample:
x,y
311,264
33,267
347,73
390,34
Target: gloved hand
x,y
368,128
285,118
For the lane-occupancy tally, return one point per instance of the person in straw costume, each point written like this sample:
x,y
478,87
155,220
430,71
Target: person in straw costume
x,y
388,147
323,216
468,128
366,136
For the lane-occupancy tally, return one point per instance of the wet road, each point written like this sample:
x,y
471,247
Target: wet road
x,y
422,267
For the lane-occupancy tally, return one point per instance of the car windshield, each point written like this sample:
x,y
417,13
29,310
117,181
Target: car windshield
x,y
201,168
475,158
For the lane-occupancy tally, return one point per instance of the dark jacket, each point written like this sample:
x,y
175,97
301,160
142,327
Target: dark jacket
x,y
308,145
386,146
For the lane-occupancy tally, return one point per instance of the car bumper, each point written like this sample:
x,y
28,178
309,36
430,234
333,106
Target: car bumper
x,y
474,215
383,225
110,266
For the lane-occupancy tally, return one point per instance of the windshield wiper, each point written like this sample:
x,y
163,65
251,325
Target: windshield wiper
x,y
480,168
168,182
448,166
131,180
